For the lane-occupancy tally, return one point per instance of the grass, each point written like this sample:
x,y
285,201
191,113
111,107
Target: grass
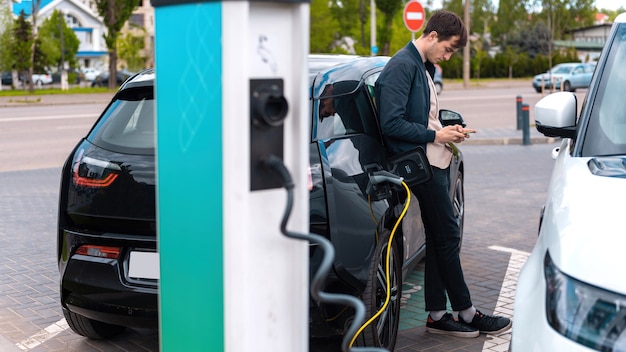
x,y
50,91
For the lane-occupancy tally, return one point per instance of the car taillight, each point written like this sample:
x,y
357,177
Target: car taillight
x,y
99,251
90,172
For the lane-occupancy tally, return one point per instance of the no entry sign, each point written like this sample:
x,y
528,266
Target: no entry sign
x,y
414,16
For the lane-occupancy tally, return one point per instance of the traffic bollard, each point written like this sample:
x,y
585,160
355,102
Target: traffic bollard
x,y
525,124
518,101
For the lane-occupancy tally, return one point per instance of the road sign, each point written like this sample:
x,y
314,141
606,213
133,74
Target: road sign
x,y
414,16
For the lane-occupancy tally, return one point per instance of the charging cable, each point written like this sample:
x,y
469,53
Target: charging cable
x,y
396,180
317,282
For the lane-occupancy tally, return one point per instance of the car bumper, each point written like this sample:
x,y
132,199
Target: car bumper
x,y
547,85
101,289
531,330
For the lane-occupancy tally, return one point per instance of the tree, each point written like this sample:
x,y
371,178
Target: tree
x,y
115,14
531,39
6,36
324,27
52,41
33,44
511,15
389,9
21,45
129,48
564,15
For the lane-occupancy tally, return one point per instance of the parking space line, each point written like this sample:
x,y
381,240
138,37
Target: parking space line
x,y
504,306
43,335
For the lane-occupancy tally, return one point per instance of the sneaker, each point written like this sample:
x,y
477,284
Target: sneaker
x,y
488,324
448,326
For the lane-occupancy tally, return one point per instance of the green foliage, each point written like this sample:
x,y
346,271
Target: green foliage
x,y
51,43
115,14
389,9
21,43
511,15
130,47
6,37
324,27
530,39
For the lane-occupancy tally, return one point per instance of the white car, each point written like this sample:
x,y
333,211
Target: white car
x,y
571,293
91,73
42,78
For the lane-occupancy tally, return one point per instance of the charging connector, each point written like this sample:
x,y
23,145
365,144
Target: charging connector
x,y
274,163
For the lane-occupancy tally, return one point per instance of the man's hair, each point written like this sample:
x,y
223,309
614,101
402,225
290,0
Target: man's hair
x,y
447,24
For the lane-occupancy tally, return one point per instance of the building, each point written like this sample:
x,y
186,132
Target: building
x,y
82,17
588,41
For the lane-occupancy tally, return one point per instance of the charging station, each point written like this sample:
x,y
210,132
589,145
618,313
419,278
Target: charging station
x,y
231,91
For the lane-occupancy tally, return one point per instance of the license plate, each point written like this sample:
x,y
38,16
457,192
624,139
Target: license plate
x,y
143,265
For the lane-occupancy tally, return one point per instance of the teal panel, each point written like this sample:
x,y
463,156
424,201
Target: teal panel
x,y
189,175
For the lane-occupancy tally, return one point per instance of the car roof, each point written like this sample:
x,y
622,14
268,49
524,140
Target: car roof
x,y
337,69
140,79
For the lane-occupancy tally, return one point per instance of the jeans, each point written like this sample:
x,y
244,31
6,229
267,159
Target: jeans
x,y
443,272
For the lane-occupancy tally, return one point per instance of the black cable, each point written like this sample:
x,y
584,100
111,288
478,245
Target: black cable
x,y
277,165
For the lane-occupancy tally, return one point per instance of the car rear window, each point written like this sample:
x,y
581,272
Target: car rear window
x,y
128,124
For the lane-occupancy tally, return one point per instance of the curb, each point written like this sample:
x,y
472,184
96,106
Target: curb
x,y
509,141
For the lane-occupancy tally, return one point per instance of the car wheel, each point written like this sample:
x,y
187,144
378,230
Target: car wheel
x,y
438,87
538,90
91,328
458,201
567,86
383,331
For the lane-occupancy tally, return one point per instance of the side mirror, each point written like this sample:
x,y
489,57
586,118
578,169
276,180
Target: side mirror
x,y
449,118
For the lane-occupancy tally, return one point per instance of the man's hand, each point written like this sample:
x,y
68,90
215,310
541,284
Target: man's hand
x,y
455,134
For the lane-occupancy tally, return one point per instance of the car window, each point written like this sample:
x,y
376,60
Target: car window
x,y
127,126
562,69
606,131
343,108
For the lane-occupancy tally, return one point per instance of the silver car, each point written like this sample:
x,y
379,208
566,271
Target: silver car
x,y
566,77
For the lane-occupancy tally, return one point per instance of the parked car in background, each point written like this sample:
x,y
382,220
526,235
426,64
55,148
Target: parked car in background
x,y
73,76
571,293
7,78
438,79
566,76
91,73
39,79
102,80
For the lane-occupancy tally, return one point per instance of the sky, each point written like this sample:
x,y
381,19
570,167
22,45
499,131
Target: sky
x,y
600,4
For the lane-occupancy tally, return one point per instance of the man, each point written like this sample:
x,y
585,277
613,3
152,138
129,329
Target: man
x,y
408,108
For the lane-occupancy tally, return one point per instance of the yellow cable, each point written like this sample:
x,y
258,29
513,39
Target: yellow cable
x,y
406,207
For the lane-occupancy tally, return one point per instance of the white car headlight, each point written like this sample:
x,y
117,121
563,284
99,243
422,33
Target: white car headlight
x,y
583,313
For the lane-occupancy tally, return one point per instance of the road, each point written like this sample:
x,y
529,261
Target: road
x,y
487,108
505,188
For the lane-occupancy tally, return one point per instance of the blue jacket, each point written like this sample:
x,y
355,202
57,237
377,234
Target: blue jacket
x,y
403,100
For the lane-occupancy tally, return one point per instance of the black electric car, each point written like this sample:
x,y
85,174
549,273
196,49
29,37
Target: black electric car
x,y
107,226
106,222
346,147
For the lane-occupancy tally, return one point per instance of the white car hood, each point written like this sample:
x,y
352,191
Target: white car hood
x,y
586,236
